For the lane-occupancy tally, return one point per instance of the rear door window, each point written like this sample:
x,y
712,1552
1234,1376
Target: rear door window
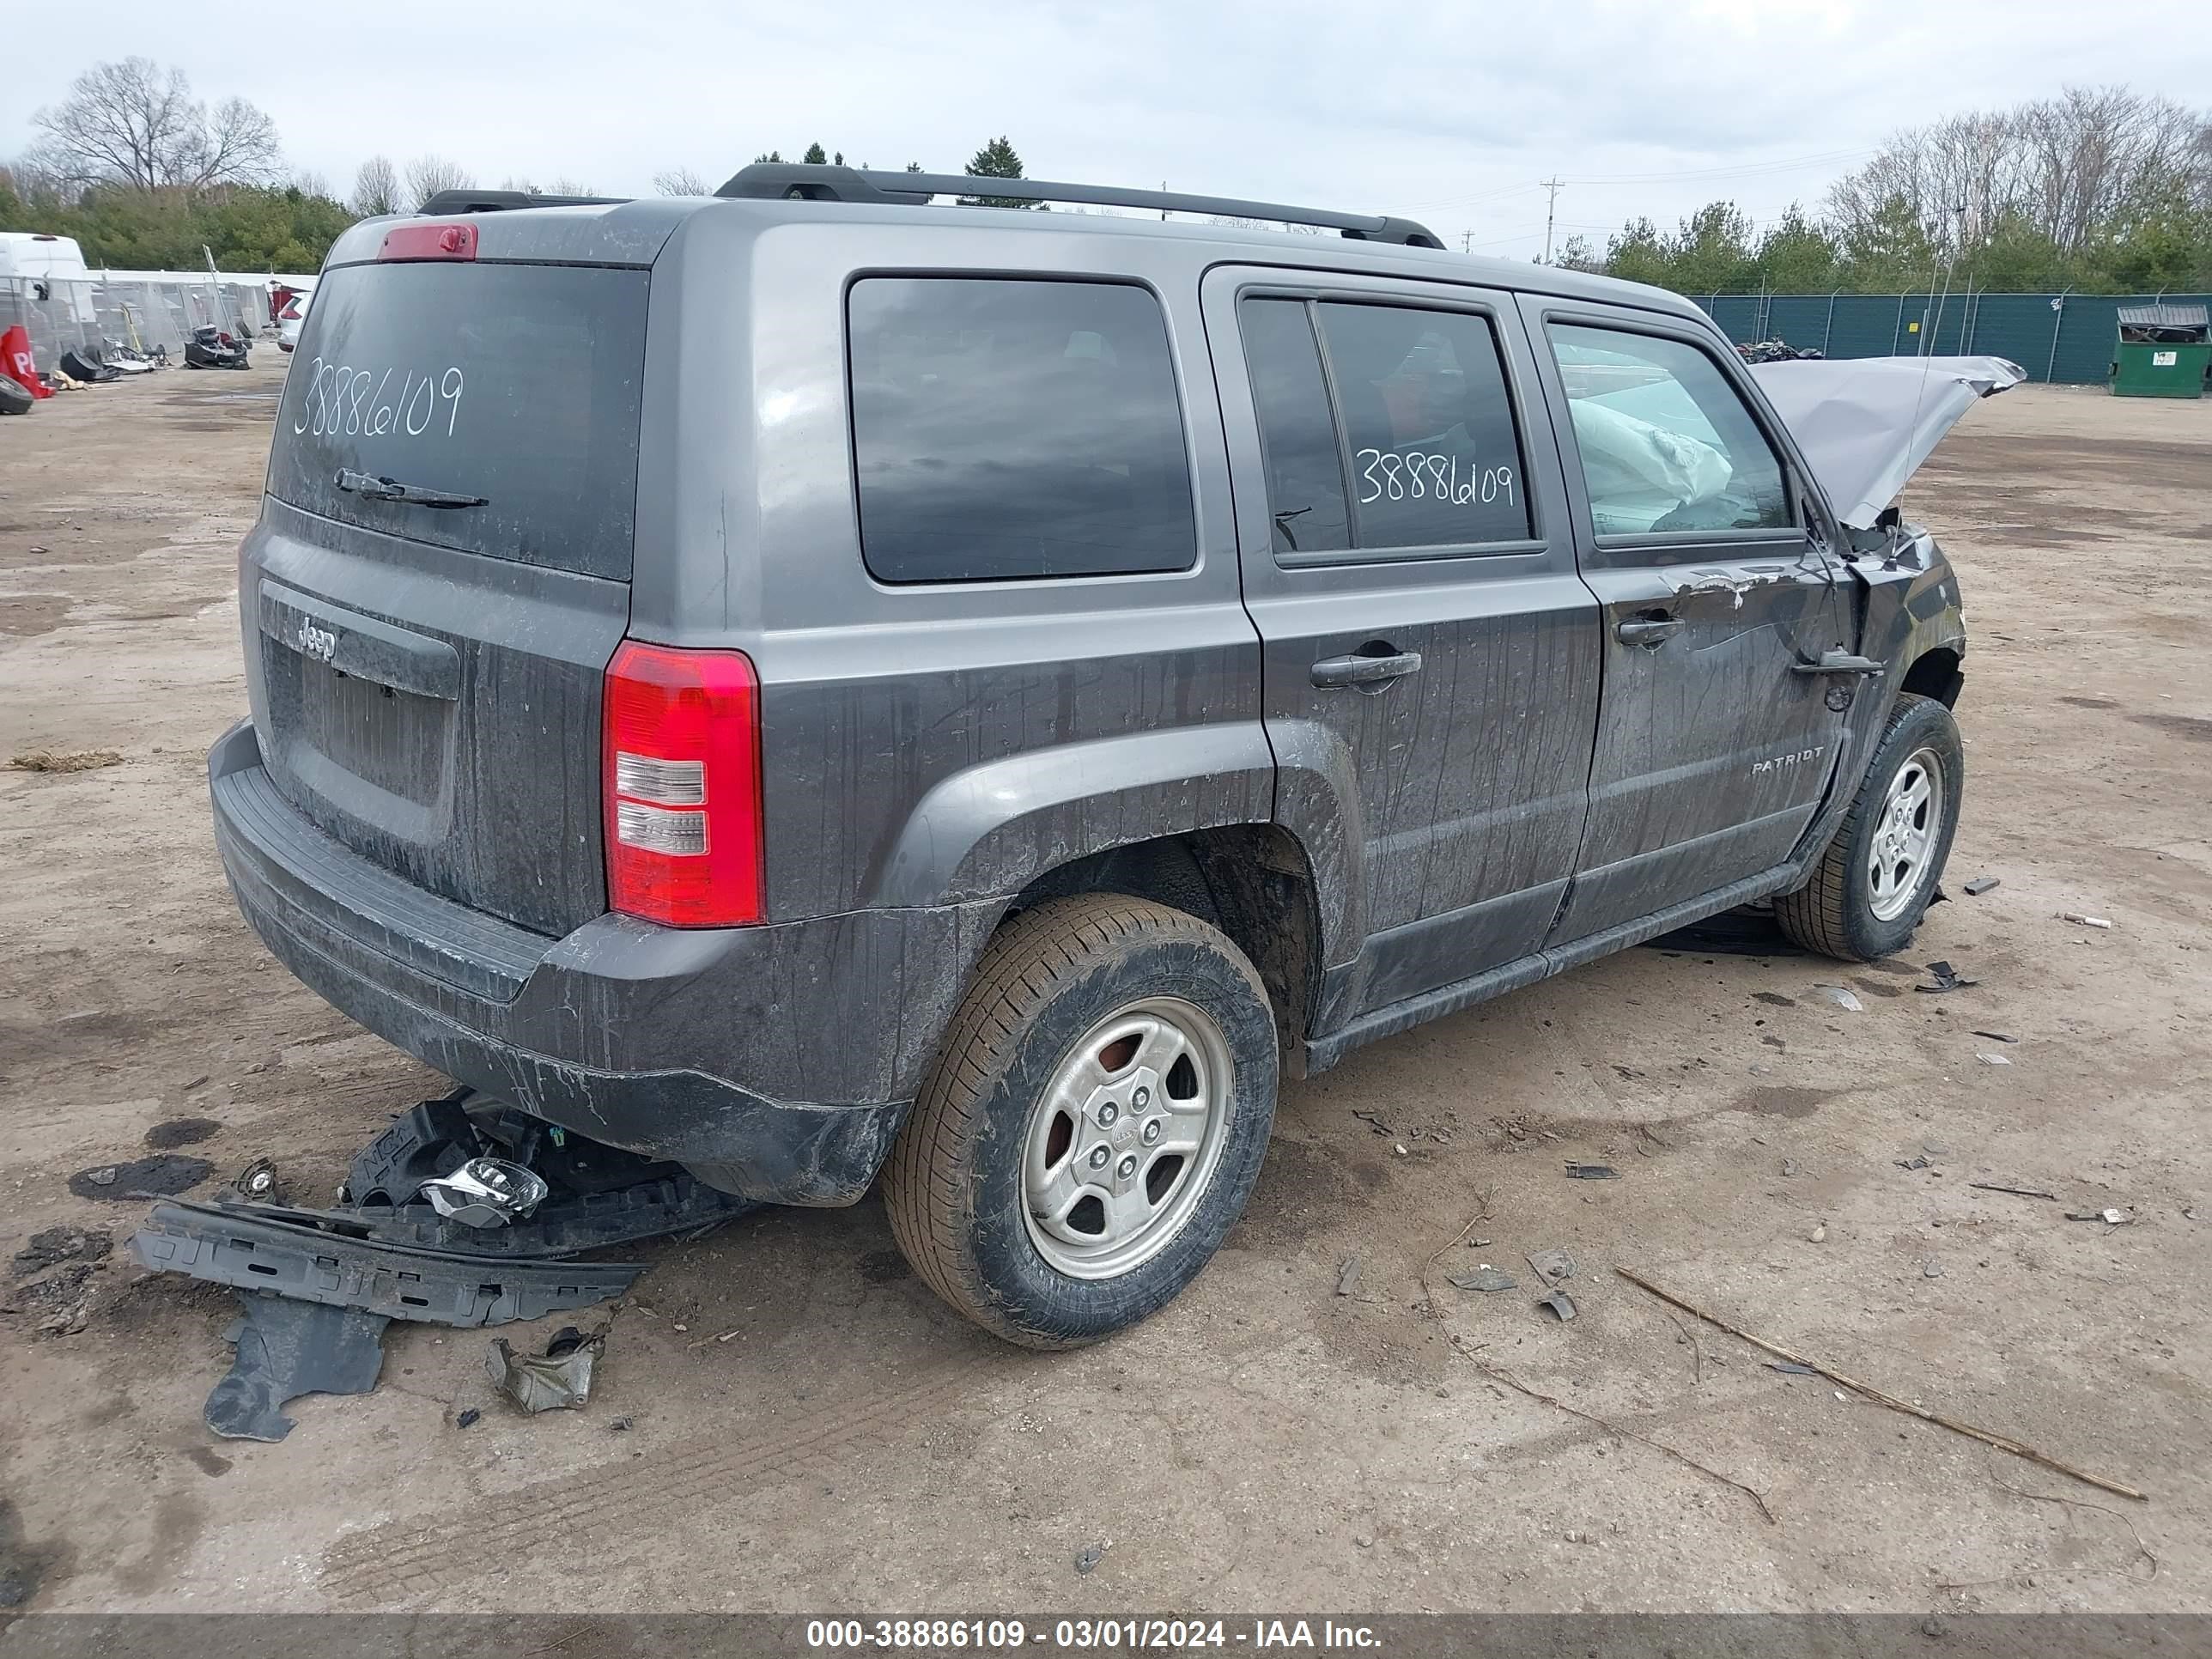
x,y
520,384
1008,428
1385,428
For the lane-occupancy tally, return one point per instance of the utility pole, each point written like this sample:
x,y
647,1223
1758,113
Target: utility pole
x,y
1466,242
1551,210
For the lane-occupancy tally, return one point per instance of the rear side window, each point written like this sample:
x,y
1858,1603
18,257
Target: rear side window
x,y
518,384
1007,429
1666,442
1386,427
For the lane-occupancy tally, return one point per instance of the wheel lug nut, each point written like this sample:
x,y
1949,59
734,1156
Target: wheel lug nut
x,y
1141,1099
1098,1157
1151,1131
1108,1113
1127,1167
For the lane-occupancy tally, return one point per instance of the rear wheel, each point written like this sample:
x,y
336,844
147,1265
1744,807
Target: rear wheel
x,y
1875,882
1094,1124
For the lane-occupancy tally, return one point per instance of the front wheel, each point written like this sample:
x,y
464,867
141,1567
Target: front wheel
x,y
1094,1124
1875,880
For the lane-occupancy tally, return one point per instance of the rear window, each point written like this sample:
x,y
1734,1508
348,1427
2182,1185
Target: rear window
x,y
518,384
1016,428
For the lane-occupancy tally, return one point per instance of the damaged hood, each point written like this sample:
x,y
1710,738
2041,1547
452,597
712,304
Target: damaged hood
x,y
1865,424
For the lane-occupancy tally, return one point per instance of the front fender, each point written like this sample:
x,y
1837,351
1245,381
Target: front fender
x,y
992,829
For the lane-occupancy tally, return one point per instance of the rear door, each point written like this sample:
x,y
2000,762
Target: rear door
x,y
1429,661
1708,557
441,571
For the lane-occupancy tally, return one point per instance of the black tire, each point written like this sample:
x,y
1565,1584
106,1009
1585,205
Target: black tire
x,y
14,400
1835,913
954,1184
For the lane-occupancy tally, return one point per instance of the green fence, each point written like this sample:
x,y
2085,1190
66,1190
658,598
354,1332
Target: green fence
x,y
2066,337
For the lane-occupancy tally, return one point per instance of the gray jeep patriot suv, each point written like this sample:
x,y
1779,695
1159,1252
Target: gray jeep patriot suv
x,y
822,687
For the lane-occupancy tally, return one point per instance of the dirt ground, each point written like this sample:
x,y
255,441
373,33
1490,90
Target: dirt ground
x,y
810,1430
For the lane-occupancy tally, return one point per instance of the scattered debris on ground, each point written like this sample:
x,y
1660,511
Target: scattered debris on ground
x,y
1088,1558
47,760
54,1275
1981,885
257,1182
1946,978
2017,1192
1988,1058
1846,1000
1348,1276
2110,1217
1994,1036
2085,921
163,1176
468,1418
1485,1278
1560,1303
1592,1172
560,1379
1553,1267
285,1349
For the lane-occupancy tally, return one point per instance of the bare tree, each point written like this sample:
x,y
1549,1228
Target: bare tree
x,y
137,125
375,187
428,175
681,181
2069,165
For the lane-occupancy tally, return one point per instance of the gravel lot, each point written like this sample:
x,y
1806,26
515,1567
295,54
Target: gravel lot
x,y
812,1431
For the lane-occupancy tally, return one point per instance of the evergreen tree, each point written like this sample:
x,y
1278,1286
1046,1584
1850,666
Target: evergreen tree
x,y
996,159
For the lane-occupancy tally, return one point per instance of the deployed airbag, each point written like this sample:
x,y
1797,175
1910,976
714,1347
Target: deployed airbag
x,y
1865,424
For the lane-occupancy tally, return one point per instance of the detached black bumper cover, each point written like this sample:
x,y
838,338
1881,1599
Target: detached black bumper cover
x,y
760,1058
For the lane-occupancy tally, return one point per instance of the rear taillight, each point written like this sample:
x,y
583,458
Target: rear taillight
x,y
420,241
682,781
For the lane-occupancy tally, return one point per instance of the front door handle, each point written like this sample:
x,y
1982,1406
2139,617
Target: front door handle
x,y
1837,662
1649,632
1333,671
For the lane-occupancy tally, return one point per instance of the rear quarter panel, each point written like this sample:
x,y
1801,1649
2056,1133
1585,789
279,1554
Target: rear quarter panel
x,y
935,744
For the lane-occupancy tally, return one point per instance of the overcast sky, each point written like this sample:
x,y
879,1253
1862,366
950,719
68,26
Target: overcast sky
x,y
1449,112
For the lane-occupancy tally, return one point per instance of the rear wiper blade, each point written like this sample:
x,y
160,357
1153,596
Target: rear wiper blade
x,y
391,489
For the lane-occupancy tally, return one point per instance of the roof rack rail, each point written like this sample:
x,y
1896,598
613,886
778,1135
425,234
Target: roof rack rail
x,y
785,180
498,201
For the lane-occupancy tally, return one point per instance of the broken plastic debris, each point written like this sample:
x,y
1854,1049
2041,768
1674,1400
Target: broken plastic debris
x,y
1088,1558
1790,1368
547,1382
486,1192
1553,1267
1820,1234
1348,1276
1931,1268
1486,1279
1981,885
467,1418
1847,1000
1994,1036
285,1349
257,1181
1946,978
2110,1217
2085,921
1592,1172
1560,1303
1988,1058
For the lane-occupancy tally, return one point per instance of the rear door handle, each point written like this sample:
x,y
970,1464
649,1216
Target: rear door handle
x,y
1837,662
1332,672
1649,632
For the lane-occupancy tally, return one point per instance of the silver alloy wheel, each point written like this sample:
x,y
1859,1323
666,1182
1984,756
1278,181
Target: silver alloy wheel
x,y
1905,835
1122,1142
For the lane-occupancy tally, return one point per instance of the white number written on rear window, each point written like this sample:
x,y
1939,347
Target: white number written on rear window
x,y
343,401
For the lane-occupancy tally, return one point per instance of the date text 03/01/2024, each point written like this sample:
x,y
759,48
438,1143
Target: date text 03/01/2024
x,y
1166,1635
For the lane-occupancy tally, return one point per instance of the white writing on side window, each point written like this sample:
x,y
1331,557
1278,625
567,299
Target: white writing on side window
x,y
1413,475
342,401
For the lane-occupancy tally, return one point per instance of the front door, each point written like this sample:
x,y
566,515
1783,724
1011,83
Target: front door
x,y
1714,748
1429,664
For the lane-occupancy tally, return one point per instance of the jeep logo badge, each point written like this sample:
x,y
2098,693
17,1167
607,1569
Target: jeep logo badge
x,y
320,643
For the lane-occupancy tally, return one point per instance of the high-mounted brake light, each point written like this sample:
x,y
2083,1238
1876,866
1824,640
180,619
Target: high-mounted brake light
x,y
430,242
681,779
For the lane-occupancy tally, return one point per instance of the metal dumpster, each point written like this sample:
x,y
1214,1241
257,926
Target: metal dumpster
x,y
2163,351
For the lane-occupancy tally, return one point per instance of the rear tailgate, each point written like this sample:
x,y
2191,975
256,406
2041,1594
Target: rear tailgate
x,y
427,677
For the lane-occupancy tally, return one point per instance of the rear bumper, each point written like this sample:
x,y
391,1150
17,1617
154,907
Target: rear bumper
x,y
776,1062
